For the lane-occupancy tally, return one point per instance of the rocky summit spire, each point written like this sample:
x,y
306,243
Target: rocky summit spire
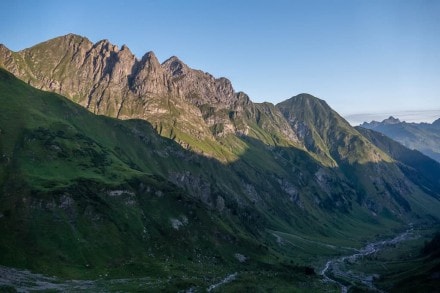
x,y
149,78
391,120
94,72
175,66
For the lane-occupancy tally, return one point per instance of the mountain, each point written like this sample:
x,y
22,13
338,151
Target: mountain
x,y
419,168
424,137
144,169
86,196
188,105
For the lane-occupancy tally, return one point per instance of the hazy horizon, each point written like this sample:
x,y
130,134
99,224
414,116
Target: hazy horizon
x,y
410,116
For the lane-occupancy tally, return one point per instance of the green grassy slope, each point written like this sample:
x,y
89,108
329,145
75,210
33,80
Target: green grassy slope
x,y
86,192
372,172
89,196
327,134
85,195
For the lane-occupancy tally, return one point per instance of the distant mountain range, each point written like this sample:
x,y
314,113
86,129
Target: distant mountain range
x,y
424,137
114,166
410,116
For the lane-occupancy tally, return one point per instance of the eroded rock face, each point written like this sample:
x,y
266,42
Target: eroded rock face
x,y
113,82
197,185
199,87
149,78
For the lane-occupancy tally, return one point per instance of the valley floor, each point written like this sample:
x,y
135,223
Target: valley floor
x,y
380,266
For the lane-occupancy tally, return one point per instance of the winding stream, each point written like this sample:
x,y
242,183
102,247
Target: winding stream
x,y
26,281
226,280
334,270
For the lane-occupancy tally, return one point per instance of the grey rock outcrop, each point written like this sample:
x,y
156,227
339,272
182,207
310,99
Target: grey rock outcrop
x,y
174,98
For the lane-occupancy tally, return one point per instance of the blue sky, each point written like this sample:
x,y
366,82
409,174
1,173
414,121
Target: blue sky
x,y
362,57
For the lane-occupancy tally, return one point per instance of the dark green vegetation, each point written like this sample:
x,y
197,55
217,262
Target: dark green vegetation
x,y
86,196
432,247
424,137
269,192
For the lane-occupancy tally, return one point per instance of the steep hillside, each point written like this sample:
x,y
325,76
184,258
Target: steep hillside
x,y
421,169
326,134
96,195
205,115
87,196
147,168
424,137
329,138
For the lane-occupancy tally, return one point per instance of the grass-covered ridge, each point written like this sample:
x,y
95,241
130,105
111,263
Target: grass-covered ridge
x,y
84,196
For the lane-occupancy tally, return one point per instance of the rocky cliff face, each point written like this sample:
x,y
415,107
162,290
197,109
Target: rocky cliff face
x,y
177,100
105,79
190,106
199,87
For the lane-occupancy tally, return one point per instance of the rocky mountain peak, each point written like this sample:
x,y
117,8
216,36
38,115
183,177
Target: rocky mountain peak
x,y
151,59
175,66
3,47
199,87
111,81
306,96
5,54
105,47
115,73
306,102
125,53
370,125
105,42
309,100
67,42
326,133
149,78
391,120
72,36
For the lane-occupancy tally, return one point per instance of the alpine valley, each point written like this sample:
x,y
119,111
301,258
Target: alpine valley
x,y
120,174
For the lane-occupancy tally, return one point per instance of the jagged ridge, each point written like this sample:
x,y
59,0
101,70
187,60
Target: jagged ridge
x,y
179,101
201,112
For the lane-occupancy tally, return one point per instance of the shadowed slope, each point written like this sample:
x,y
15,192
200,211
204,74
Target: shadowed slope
x,y
94,194
424,137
